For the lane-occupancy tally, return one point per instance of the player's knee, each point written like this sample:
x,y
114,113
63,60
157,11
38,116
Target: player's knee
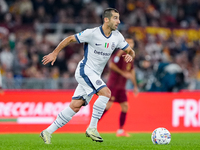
x,y
124,107
105,92
108,93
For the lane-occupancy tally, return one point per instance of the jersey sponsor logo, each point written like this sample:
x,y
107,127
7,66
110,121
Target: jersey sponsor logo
x,y
102,53
113,46
98,82
97,44
106,45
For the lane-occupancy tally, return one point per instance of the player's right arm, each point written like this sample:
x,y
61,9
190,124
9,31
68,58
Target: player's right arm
x,y
51,57
82,37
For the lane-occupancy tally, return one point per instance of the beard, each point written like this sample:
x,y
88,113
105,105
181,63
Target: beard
x,y
112,27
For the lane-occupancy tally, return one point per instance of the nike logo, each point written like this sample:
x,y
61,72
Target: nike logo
x,y
97,44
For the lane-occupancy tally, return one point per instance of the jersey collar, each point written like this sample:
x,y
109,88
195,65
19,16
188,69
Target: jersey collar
x,y
101,29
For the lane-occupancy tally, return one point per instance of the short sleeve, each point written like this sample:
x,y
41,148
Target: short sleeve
x,y
84,36
122,42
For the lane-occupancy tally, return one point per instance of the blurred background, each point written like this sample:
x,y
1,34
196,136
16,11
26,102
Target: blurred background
x,y
166,35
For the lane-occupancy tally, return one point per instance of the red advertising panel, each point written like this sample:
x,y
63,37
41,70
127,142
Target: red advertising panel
x,y
33,111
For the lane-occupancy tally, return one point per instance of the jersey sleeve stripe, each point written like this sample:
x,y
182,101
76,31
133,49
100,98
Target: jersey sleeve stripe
x,y
125,47
77,38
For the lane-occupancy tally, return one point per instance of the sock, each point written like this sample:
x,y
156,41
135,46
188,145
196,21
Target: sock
x,y
62,118
103,114
98,109
122,119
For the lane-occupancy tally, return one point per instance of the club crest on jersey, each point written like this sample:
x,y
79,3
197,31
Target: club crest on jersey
x,y
98,82
113,46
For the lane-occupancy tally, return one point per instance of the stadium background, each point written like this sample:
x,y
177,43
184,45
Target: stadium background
x,y
165,32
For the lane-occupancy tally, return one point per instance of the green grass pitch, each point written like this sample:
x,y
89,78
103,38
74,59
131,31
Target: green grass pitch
x,y
137,141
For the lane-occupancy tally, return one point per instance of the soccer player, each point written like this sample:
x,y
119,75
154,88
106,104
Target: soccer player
x,y
99,43
120,71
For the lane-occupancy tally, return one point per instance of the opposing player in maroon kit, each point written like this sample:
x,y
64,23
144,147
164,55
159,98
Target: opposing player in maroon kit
x,y
120,71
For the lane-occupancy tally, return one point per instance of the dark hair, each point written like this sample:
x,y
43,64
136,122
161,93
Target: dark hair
x,y
108,12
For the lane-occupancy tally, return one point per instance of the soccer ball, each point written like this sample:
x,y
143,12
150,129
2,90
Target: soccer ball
x,y
161,136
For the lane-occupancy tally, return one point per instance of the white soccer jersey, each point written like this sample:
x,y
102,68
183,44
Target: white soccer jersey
x,y
98,48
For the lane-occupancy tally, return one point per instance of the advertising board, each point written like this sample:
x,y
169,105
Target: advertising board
x,y
33,111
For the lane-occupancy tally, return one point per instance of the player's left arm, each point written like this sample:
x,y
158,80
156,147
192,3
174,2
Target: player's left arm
x,y
130,54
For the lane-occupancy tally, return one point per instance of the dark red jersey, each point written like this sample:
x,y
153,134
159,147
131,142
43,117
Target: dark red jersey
x,y
116,80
